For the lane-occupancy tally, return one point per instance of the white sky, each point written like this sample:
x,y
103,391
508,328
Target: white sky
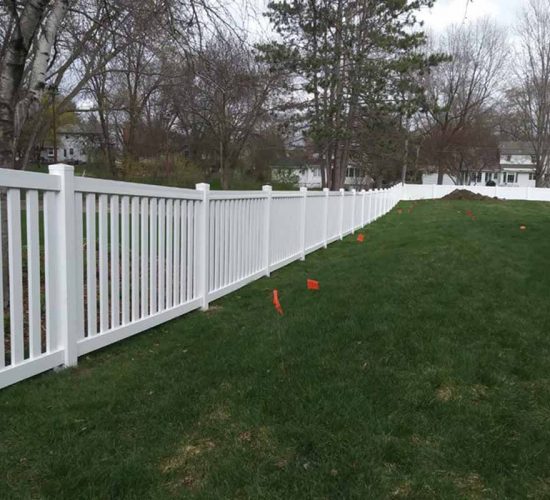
x,y
442,14
446,12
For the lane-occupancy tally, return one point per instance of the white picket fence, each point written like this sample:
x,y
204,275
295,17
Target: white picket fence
x,y
92,261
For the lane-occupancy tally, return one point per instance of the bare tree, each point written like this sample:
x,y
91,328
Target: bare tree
x,y
461,91
232,93
530,96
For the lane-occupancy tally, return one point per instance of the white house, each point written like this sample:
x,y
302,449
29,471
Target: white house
x,y
74,143
517,164
302,174
516,167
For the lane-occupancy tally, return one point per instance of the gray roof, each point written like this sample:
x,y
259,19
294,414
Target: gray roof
x,y
292,164
516,148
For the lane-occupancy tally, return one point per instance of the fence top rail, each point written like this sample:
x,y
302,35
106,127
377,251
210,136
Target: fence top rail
x,y
237,195
28,180
287,194
121,188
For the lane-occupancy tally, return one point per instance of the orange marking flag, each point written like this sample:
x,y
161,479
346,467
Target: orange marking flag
x,y
360,237
469,213
276,302
312,285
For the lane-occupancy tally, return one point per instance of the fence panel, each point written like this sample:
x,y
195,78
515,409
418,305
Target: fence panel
x,y
28,333
285,224
140,239
315,221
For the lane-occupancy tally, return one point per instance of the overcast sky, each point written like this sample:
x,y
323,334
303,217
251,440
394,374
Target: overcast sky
x,y
443,13
446,12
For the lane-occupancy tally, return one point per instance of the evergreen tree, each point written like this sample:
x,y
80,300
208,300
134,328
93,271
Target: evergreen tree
x,y
348,58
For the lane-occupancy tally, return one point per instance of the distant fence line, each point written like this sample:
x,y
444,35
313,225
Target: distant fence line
x,y
434,191
91,262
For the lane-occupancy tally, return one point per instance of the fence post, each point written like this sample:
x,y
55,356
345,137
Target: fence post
x,y
303,191
325,229
65,237
342,194
203,244
354,193
371,205
268,190
363,195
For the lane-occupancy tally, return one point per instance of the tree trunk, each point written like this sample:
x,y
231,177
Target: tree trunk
x,y
440,174
405,157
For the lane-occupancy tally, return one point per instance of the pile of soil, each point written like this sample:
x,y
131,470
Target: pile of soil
x,y
464,194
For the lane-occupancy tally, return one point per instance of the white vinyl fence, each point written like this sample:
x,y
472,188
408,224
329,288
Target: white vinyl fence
x,y
90,262
433,191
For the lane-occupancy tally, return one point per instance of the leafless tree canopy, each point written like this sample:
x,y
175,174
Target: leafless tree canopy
x,y
460,97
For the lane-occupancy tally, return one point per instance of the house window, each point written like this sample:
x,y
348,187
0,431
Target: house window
x,y
476,177
50,152
488,176
511,178
531,176
533,159
64,153
508,157
350,172
71,151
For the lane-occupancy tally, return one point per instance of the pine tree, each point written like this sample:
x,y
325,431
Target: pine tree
x,y
348,58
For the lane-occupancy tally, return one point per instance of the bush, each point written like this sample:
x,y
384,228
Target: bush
x,y
170,170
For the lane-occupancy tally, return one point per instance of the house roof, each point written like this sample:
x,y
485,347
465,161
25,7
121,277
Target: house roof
x,y
516,148
292,163
79,129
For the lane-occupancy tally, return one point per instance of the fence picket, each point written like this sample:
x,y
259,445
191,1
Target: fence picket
x,y
91,277
125,258
169,243
33,274
115,262
135,258
145,259
16,276
2,331
103,264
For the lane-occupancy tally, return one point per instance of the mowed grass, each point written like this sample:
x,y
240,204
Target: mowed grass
x,y
421,369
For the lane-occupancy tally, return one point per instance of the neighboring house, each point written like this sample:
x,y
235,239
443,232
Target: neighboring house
x,y
515,167
74,145
517,164
302,174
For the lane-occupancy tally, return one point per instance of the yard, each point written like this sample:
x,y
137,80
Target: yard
x,y
420,369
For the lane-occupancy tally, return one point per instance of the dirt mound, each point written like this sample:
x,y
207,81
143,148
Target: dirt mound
x,y
464,194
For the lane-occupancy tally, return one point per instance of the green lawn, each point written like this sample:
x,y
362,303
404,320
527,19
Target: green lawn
x,y
421,369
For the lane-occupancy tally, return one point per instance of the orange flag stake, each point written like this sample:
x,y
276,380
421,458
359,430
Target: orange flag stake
x,y
276,302
360,237
469,213
312,284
